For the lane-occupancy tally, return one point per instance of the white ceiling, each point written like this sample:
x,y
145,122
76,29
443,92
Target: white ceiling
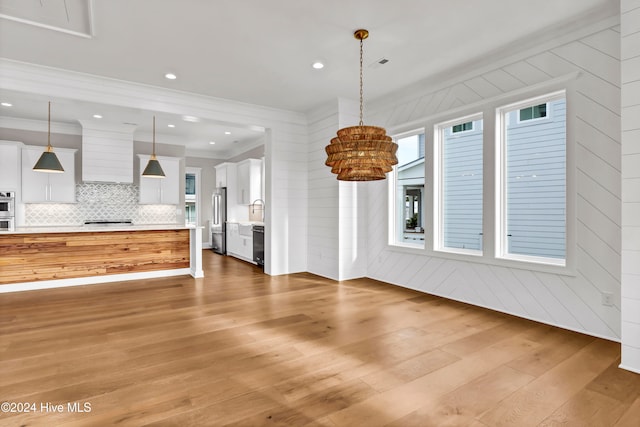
x,y
261,52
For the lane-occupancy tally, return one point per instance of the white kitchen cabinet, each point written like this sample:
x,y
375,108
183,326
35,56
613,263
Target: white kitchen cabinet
x,y
160,191
249,181
10,165
233,238
223,171
45,187
240,241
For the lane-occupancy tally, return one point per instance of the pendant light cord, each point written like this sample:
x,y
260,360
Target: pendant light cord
x,y
154,136
361,91
49,130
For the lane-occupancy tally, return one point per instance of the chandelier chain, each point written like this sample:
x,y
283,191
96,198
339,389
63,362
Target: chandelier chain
x,y
361,90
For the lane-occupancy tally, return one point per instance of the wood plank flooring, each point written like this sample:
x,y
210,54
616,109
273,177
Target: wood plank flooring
x,y
244,349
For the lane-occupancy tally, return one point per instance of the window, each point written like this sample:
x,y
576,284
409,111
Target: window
x,y
533,112
190,185
532,171
458,190
462,127
408,192
502,191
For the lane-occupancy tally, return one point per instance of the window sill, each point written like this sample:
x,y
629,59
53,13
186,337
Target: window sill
x,y
485,259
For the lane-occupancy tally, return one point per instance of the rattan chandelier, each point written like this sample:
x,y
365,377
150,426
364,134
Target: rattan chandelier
x,y
361,153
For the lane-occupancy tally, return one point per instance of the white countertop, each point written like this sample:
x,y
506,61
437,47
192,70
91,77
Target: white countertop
x,y
246,222
96,228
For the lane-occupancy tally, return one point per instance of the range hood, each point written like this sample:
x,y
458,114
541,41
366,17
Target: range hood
x,y
107,152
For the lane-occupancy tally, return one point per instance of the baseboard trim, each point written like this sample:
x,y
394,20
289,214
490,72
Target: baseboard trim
x,y
92,280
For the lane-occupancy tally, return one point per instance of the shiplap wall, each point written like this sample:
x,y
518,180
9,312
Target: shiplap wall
x,y
286,193
352,212
323,252
630,49
337,235
573,302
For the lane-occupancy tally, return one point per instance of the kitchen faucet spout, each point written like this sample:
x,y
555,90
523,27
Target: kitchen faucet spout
x,y
261,204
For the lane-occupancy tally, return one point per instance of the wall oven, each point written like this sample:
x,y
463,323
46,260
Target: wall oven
x,y
7,210
7,204
7,224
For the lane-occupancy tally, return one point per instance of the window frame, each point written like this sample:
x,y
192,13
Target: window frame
x,y
392,178
473,127
438,183
501,236
547,115
491,130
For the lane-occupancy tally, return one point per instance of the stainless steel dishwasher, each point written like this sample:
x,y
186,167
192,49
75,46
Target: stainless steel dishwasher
x,y
258,244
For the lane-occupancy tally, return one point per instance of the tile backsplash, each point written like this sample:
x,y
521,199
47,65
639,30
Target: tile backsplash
x,y
98,201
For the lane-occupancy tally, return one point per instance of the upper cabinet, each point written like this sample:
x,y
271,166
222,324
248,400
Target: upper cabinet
x,y
249,181
161,191
45,187
10,165
225,174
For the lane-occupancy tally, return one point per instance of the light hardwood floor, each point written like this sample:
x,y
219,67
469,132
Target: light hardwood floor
x,y
242,348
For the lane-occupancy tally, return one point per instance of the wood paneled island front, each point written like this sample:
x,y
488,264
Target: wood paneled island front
x,y
32,258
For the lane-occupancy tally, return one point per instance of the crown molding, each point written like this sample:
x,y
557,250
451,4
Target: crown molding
x,y
39,126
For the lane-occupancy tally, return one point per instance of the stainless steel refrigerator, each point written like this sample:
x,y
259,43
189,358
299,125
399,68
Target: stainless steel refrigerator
x,y
219,221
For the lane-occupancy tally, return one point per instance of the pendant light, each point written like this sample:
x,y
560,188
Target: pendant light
x,y
361,153
48,161
153,169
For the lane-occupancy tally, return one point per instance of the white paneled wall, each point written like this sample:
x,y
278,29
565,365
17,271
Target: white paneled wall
x,y
286,211
352,212
630,50
323,201
573,302
337,210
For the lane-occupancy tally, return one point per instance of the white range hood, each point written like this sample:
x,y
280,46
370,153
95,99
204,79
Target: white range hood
x,y
107,152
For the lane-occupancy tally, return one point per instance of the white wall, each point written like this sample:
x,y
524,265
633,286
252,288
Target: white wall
x,y
352,209
630,49
286,199
323,244
337,209
569,301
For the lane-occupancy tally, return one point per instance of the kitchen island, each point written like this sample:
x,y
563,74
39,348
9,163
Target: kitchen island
x,y
46,257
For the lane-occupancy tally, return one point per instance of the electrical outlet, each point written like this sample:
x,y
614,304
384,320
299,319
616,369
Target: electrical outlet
x,y
607,299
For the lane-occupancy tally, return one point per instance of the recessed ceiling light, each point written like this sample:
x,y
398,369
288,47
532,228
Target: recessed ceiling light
x,y
227,133
212,142
317,65
171,126
170,76
7,104
192,119
97,116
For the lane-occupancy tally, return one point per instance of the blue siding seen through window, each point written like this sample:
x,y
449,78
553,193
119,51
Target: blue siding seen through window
x,y
536,183
462,187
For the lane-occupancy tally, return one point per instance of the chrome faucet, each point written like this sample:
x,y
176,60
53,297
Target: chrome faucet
x,y
253,207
